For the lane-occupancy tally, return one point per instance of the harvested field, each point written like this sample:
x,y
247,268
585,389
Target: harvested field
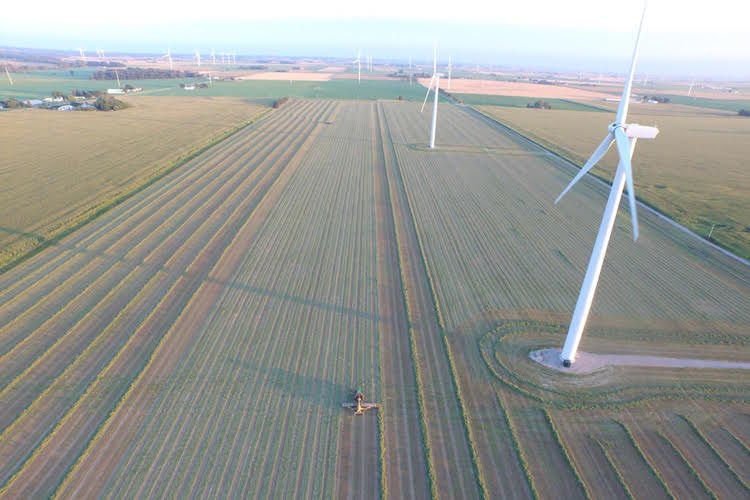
x,y
67,165
199,338
299,76
518,89
694,171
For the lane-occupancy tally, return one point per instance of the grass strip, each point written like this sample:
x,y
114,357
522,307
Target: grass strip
x,y
11,257
687,464
564,451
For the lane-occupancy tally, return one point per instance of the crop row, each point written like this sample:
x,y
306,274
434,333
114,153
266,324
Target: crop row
x,y
105,375
450,449
253,404
407,470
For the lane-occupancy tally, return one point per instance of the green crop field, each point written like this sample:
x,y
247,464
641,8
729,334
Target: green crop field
x,y
198,338
39,84
522,102
67,166
695,171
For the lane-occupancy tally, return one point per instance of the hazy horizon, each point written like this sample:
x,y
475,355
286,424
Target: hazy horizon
x,y
677,42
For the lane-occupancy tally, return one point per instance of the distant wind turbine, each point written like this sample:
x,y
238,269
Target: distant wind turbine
x,y
436,80
7,73
117,75
168,55
690,90
213,57
358,62
624,136
198,57
83,55
449,72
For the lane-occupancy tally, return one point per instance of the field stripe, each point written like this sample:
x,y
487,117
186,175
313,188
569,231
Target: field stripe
x,y
200,306
140,345
452,453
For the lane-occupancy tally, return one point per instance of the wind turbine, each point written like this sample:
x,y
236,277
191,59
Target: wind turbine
x,y
358,62
436,80
83,55
117,75
690,90
234,58
213,56
198,57
168,55
7,73
449,72
624,136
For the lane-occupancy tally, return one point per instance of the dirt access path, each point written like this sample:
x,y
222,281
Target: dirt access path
x,y
589,362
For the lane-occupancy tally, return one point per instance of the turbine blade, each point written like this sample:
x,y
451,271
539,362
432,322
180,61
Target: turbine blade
x,y
432,80
598,155
625,149
622,110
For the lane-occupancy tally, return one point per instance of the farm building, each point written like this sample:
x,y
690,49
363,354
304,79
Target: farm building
x,y
66,107
115,91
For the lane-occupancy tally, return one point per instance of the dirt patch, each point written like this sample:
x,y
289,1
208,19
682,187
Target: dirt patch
x,y
300,76
588,362
519,89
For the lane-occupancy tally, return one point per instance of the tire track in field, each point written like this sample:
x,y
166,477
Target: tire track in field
x,y
61,448
450,449
88,476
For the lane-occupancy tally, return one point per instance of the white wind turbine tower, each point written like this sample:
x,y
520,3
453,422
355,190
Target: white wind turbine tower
x,y
234,58
358,62
7,73
436,80
168,55
624,135
690,90
213,56
449,72
198,57
83,55
117,75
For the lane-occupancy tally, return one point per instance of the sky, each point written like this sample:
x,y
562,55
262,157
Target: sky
x,y
681,38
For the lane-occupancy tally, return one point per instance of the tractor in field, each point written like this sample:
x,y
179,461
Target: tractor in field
x,y
359,406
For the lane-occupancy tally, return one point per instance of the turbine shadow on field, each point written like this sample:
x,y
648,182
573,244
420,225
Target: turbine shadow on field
x,y
18,232
298,300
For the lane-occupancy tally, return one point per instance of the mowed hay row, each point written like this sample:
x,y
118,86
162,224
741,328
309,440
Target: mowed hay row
x,y
597,470
107,389
694,171
497,447
404,468
452,469
495,240
253,406
91,311
114,304
66,163
97,236
679,476
719,475
549,468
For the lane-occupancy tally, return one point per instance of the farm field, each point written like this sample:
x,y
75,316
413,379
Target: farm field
x,y
199,338
66,166
40,84
695,171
